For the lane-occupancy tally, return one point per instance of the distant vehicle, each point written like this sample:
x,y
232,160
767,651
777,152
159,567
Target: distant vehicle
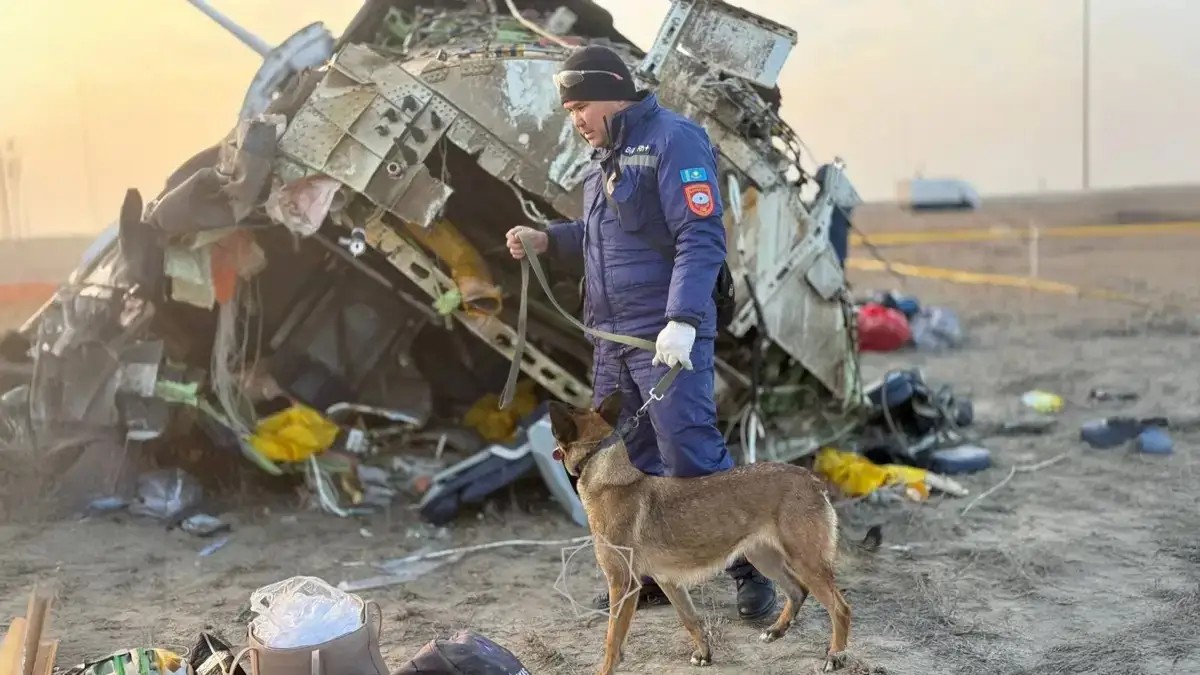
x,y
923,194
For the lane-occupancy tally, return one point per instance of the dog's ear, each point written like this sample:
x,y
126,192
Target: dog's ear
x,y
562,423
610,408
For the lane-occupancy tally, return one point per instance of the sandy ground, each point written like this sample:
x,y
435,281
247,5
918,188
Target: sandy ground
x,y
1089,566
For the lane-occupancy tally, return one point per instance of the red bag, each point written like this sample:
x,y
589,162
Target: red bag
x,y
881,329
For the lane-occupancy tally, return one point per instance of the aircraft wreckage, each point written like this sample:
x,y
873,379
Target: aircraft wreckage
x,y
342,251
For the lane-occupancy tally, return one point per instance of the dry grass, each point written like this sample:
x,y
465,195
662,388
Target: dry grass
x,y
1163,639
540,656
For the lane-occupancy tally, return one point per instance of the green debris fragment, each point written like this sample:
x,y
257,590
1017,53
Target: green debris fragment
x,y
395,28
186,393
448,303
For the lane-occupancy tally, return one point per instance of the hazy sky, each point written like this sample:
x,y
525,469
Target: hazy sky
x,y
101,99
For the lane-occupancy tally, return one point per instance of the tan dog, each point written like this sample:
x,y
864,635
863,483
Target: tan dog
x,y
683,531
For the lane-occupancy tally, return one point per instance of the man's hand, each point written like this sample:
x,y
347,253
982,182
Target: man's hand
x,y
540,241
674,345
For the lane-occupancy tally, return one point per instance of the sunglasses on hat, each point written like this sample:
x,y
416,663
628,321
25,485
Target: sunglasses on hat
x,y
566,79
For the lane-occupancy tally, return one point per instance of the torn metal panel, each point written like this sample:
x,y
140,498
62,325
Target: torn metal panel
x,y
826,275
498,161
424,199
666,42
779,231
389,187
735,41
727,113
469,136
800,287
190,270
834,182
412,103
775,262
517,118
724,38
288,171
311,139
139,371
86,351
811,330
498,335
761,172
370,125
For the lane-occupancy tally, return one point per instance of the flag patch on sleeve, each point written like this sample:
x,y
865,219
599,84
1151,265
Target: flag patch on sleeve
x,y
696,175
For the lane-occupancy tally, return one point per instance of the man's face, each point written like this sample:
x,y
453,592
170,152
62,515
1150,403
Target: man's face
x,y
588,118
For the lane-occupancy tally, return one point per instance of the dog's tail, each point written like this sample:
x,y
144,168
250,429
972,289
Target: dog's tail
x,y
873,540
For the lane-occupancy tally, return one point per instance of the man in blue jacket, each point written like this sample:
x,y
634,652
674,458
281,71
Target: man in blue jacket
x,y
651,244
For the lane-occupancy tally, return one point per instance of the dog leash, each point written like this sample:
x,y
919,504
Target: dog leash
x,y
530,261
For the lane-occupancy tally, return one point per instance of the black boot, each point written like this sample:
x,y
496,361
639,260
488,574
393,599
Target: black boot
x,y
755,593
650,595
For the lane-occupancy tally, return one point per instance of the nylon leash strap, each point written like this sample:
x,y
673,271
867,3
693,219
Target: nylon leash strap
x,y
530,261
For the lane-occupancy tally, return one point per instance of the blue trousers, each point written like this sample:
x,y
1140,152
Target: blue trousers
x,y
678,436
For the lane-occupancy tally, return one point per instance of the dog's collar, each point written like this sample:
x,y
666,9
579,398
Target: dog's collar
x,y
604,445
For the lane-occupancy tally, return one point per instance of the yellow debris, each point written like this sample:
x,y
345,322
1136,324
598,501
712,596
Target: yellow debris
x,y
856,475
293,435
500,426
1043,401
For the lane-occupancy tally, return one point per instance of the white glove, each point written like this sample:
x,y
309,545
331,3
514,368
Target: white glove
x,y
674,345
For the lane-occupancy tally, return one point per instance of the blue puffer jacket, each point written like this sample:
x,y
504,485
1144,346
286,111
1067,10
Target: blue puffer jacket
x,y
652,247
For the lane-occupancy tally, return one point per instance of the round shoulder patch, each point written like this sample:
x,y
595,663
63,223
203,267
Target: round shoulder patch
x,y
699,197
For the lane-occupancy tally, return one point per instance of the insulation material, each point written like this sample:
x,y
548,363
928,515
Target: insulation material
x,y
470,272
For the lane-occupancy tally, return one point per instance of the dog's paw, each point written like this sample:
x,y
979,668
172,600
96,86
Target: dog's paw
x,y
834,662
771,634
700,658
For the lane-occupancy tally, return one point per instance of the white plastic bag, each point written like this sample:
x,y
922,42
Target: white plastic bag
x,y
936,329
303,612
165,494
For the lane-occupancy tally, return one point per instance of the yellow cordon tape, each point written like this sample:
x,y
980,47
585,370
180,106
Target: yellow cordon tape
x,y
1000,233
988,279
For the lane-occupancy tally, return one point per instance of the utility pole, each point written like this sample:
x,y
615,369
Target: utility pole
x,y
1087,95
6,223
10,176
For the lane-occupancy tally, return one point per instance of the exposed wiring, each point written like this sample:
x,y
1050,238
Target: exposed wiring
x,y
536,28
753,425
875,253
451,552
527,207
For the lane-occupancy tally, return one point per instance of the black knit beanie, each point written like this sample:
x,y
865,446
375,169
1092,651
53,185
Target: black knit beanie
x,y
597,86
